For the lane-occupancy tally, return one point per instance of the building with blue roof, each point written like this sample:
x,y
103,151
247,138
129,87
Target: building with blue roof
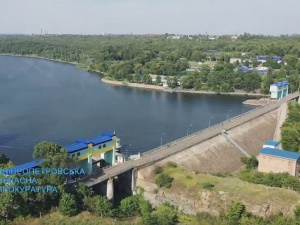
x,y
263,58
279,90
272,160
271,144
103,147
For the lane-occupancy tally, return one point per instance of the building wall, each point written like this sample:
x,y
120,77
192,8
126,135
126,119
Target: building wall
x,y
268,164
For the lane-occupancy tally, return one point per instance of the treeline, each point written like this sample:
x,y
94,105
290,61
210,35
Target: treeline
x,y
290,131
129,56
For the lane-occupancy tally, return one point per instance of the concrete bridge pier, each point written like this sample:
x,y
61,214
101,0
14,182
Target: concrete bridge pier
x,y
110,189
134,175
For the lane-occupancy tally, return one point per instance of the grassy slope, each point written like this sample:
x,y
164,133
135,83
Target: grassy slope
x,y
189,184
83,218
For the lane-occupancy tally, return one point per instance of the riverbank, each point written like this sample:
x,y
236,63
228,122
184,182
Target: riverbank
x,y
78,65
160,88
38,57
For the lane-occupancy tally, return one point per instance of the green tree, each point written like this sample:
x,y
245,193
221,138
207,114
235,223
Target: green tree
x,y
68,205
250,163
130,206
158,80
290,139
4,159
166,214
103,207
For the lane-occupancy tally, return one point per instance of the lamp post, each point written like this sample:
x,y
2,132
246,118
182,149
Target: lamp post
x,y
187,131
228,114
126,150
209,120
243,108
161,139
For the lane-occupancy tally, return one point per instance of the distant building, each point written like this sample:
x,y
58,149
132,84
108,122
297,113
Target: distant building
x,y
263,59
279,90
259,70
175,37
234,37
273,160
271,144
245,69
234,60
192,69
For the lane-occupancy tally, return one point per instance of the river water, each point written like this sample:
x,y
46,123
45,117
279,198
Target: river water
x,y
41,100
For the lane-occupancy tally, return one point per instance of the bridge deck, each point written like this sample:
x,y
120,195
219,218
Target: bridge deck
x,y
186,142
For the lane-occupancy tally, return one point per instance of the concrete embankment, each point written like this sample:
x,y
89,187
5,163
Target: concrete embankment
x,y
217,155
160,88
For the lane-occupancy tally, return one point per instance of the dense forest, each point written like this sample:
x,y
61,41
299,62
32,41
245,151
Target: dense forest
x,y
135,57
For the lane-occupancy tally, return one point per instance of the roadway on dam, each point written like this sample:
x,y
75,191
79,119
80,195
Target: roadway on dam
x,y
184,143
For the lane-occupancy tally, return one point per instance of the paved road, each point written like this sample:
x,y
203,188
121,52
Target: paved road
x,y
183,143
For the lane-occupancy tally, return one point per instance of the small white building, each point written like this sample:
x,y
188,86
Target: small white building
x,y
234,60
192,69
279,90
271,144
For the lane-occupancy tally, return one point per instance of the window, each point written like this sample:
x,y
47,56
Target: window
x,y
73,155
78,153
104,145
100,146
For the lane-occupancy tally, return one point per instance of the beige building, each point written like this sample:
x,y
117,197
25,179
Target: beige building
x,y
272,160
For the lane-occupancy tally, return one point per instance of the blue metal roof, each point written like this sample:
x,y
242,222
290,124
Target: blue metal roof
x,y
75,147
24,166
262,57
83,143
243,68
276,58
274,143
280,153
280,84
109,133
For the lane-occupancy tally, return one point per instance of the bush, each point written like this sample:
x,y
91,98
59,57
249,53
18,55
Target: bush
x,y
208,185
189,177
130,206
250,163
272,180
171,165
164,180
68,205
236,211
297,213
165,215
158,170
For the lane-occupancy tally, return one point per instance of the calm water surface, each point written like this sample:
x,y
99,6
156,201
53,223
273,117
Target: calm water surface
x,y
44,100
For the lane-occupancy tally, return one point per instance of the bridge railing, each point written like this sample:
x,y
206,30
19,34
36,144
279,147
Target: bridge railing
x,y
196,133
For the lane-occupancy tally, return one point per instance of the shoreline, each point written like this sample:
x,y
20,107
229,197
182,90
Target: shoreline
x,y
160,88
39,57
142,86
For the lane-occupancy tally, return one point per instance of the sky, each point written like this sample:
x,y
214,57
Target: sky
x,y
215,17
